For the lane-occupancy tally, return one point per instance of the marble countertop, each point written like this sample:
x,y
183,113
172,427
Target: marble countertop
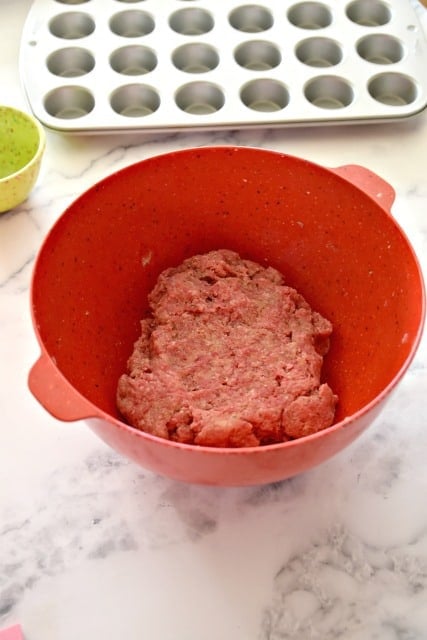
x,y
91,546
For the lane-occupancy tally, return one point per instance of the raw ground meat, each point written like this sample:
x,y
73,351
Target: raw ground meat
x,y
229,357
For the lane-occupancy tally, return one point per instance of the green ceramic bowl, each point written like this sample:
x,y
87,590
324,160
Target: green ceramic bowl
x,y
22,143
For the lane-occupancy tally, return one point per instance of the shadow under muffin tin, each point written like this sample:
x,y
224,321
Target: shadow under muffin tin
x,y
117,65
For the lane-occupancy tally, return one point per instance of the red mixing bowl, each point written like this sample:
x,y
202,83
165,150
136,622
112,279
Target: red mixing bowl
x,y
330,232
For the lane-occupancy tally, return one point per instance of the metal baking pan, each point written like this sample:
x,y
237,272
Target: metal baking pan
x,y
126,65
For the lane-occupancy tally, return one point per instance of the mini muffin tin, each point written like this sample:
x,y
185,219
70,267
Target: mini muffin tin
x,y
117,65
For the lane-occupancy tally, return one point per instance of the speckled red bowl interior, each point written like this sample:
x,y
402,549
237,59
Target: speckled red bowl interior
x,y
333,240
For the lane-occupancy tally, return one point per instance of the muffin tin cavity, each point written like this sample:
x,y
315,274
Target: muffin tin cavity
x,y
119,65
369,13
394,89
191,22
195,57
69,102
380,48
133,60
135,100
258,55
70,62
329,92
72,25
132,23
72,1
310,15
200,98
265,95
319,52
251,19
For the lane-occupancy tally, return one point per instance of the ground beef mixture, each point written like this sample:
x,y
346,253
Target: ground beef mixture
x,y
229,357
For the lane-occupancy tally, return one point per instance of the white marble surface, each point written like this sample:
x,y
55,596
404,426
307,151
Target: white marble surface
x,y
93,547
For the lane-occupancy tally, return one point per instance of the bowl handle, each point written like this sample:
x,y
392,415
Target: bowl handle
x,y
369,182
55,394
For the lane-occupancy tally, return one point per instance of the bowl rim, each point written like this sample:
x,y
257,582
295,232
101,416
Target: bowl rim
x,y
96,413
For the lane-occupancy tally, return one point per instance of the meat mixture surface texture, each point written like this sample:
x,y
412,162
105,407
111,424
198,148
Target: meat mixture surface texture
x,y
230,356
